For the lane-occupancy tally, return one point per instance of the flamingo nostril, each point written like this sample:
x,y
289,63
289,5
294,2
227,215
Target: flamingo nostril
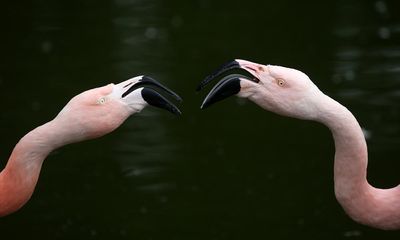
x,y
127,85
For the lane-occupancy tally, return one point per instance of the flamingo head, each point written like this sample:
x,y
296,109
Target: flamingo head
x,y
99,111
285,91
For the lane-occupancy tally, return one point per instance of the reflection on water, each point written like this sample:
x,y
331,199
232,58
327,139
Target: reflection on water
x,y
145,155
231,172
144,150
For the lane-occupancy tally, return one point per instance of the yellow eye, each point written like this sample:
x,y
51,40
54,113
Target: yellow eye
x,y
280,82
101,100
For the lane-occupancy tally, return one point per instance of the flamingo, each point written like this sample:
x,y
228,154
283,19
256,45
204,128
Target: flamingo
x,y
290,92
89,115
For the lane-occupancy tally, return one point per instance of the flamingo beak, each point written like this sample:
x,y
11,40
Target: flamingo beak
x,y
229,75
154,98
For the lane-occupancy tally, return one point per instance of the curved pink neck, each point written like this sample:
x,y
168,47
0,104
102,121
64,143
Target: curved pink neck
x,y
368,205
19,177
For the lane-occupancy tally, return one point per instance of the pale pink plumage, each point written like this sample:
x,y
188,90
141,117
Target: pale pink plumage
x,y
290,92
88,115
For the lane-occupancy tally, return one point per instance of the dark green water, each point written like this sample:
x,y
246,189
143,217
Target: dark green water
x,y
233,171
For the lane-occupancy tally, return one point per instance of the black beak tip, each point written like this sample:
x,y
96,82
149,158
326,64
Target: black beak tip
x,y
157,100
204,105
179,99
176,111
221,70
221,91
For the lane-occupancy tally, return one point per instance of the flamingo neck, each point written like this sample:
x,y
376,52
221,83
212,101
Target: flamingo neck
x,y
368,205
19,177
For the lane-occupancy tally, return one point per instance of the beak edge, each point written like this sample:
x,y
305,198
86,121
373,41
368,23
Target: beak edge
x,y
222,90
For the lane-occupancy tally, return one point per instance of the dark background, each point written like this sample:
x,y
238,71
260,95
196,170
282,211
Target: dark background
x,y
233,171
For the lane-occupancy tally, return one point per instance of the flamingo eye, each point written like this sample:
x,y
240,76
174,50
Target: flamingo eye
x,y
280,82
101,101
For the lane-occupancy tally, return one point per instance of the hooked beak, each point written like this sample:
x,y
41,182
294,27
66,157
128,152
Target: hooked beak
x,y
229,75
151,96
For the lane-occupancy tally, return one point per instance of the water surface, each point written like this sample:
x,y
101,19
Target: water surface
x,y
233,171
